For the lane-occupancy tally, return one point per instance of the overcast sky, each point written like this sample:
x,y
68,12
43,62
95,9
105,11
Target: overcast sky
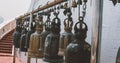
x,y
9,9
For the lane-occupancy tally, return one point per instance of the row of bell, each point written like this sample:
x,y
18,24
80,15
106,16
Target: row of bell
x,y
50,45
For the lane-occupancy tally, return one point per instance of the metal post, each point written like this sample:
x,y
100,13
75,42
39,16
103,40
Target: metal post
x,y
28,59
97,6
14,54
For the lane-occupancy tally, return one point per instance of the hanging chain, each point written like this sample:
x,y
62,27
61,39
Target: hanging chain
x,y
84,8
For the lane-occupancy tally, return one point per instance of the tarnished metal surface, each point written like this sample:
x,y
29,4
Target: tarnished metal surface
x,y
52,42
79,51
45,33
34,45
16,38
67,36
23,41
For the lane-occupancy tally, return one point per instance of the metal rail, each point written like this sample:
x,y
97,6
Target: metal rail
x,y
44,7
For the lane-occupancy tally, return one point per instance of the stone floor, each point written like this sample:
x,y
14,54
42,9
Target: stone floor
x,y
8,58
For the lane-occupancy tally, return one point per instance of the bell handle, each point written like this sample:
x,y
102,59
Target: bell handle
x,y
68,23
47,25
56,21
80,26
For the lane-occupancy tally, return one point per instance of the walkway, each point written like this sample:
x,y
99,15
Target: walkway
x,y
7,58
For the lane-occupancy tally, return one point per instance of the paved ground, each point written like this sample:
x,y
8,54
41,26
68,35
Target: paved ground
x,y
7,58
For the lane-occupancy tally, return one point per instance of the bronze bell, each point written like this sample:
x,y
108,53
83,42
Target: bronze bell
x,y
118,1
74,4
23,36
79,2
52,43
65,5
23,41
34,45
16,36
78,51
61,6
44,34
30,31
67,36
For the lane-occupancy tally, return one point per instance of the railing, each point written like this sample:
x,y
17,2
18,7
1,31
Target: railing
x,y
7,28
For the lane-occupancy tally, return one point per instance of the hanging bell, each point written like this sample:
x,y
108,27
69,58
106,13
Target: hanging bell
x,y
34,45
118,1
61,6
58,7
79,2
44,34
30,31
74,4
23,36
23,41
17,35
52,43
114,2
79,51
67,36
65,5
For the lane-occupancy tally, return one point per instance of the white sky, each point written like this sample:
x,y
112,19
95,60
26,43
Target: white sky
x,y
9,9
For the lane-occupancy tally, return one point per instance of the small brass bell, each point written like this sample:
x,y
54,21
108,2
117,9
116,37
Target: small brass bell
x,y
34,45
61,6
114,2
45,33
58,7
78,51
52,42
65,5
79,2
74,4
67,36
118,1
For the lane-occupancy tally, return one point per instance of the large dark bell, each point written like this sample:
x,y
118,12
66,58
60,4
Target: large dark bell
x,y
51,48
30,31
23,41
28,38
44,35
52,43
16,38
79,51
67,36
